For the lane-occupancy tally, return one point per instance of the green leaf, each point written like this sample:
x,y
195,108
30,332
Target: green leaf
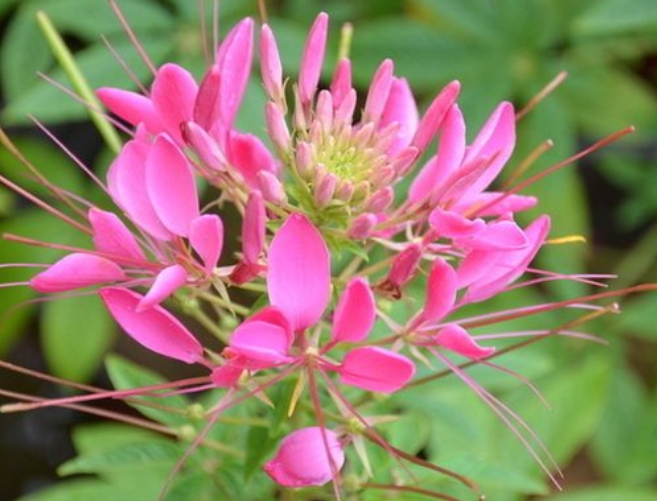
x,y
127,375
576,396
125,457
102,437
99,18
25,51
591,95
259,444
426,57
626,443
74,350
49,104
52,163
145,485
15,309
606,493
609,17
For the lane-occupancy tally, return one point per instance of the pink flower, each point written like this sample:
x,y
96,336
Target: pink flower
x,y
306,457
298,284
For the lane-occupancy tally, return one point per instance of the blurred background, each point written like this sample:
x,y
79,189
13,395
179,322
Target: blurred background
x,y
602,426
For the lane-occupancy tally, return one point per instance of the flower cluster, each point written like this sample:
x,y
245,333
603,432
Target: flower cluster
x,y
326,236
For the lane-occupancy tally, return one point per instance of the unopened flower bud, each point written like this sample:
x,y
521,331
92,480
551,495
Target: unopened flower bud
x,y
304,159
271,187
405,264
362,226
309,456
325,189
324,110
276,127
381,200
272,70
253,228
345,191
404,160
205,147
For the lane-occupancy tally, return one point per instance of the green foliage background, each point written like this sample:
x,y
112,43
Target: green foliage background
x,y
602,425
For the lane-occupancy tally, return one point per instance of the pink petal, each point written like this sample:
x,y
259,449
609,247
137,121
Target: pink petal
x,y
127,185
306,457
112,237
207,106
265,343
131,107
253,228
168,281
174,93
234,58
501,235
313,58
299,274
451,148
226,376
249,155
496,141
270,64
206,236
376,369
500,205
76,271
341,84
441,291
475,266
511,264
171,186
455,338
155,328
435,114
274,316
378,93
453,225
355,313
400,108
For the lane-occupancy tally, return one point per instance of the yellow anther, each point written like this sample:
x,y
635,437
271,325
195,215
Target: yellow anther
x,y
570,239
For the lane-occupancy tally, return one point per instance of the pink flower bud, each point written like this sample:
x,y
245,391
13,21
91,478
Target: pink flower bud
x,y
270,59
304,159
271,187
309,456
325,190
313,58
378,92
404,160
434,116
341,84
276,127
324,110
204,146
253,228
380,200
405,264
361,227
344,113
345,191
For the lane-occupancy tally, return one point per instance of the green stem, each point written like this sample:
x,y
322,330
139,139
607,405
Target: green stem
x,y
78,81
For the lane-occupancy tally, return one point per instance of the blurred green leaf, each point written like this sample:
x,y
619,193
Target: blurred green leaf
x,y
607,17
25,52
102,437
127,375
73,350
128,456
52,163
15,306
49,103
626,443
606,493
591,96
